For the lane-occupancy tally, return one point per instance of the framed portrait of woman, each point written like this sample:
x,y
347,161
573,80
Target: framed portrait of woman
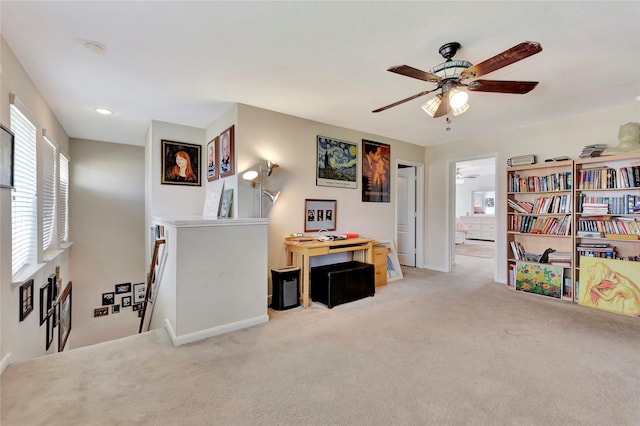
x,y
227,153
212,159
180,163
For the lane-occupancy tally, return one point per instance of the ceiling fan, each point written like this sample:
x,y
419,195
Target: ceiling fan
x,y
451,74
459,175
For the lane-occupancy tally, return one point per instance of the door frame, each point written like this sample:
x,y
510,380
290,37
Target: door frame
x,y
419,208
497,245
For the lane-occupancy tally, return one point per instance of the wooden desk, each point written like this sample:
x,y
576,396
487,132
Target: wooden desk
x,y
300,249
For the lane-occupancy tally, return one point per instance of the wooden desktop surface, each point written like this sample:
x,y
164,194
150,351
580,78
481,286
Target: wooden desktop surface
x,y
299,250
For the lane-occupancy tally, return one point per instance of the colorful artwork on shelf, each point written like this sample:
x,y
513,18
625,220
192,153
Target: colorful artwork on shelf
x,y
610,285
545,280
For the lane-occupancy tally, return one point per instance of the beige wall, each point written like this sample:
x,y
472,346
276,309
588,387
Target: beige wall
x,y
108,233
566,137
23,340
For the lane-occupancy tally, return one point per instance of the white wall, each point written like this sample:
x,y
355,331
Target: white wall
x,y
23,340
291,142
566,137
107,228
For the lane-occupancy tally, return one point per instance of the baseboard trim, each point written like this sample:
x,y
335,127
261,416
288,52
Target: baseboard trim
x,y
4,363
214,331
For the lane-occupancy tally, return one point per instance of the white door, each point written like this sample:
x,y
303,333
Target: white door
x,y
406,199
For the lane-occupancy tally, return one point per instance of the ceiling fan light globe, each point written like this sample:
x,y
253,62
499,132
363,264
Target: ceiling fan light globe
x,y
432,105
461,110
457,98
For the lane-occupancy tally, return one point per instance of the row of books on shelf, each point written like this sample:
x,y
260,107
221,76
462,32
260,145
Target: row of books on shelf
x,y
554,204
608,178
560,181
625,204
603,250
605,225
540,225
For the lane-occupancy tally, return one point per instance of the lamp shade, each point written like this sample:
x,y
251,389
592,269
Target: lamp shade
x,y
432,105
457,98
250,175
271,195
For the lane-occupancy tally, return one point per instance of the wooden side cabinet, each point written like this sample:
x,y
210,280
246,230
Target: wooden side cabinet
x,y
380,264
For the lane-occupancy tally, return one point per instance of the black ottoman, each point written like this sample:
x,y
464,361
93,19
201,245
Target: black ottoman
x,y
342,282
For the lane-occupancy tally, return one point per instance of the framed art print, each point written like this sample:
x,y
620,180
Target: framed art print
x,y
537,278
336,163
26,299
123,288
139,293
227,153
7,147
65,317
180,163
319,215
376,174
212,160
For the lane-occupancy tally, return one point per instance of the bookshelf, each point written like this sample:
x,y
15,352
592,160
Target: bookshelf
x,y
607,190
539,216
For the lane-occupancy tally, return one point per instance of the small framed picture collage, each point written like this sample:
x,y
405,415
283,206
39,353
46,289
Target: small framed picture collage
x,y
122,296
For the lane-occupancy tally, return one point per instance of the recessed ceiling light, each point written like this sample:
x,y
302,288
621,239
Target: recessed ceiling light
x,y
638,98
94,47
103,111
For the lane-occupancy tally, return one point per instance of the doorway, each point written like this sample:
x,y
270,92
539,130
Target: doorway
x,y
475,215
409,187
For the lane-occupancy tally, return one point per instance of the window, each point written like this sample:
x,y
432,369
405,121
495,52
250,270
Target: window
x,y
48,192
23,202
63,200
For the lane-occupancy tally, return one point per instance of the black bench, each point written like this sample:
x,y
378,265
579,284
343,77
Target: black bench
x,y
342,282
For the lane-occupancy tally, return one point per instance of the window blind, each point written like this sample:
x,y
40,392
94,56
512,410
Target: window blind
x,y
23,202
63,200
48,192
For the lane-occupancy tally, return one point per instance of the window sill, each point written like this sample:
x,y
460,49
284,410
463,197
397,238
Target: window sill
x,y
25,273
51,254
66,245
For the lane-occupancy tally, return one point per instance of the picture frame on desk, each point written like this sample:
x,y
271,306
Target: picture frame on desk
x,y
320,215
394,271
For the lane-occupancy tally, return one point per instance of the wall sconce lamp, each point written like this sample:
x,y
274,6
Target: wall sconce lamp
x,y
254,177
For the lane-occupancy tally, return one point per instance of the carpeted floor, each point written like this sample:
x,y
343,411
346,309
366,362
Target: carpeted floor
x,y
481,249
431,349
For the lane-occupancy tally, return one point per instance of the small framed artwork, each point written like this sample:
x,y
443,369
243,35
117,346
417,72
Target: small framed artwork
x,y
7,147
139,293
101,312
65,317
376,174
26,299
115,309
137,306
108,299
227,153
123,288
180,163
336,163
212,159
319,215
226,206
46,294
394,272
51,325
125,302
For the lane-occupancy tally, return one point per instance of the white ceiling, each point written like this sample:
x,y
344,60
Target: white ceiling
x,y
187,62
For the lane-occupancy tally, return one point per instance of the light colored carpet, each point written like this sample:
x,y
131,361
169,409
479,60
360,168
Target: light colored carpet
x,y
432,349
481,249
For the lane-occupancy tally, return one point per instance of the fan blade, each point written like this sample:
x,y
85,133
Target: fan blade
x,y
408,71
502,86
508,57
404,100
